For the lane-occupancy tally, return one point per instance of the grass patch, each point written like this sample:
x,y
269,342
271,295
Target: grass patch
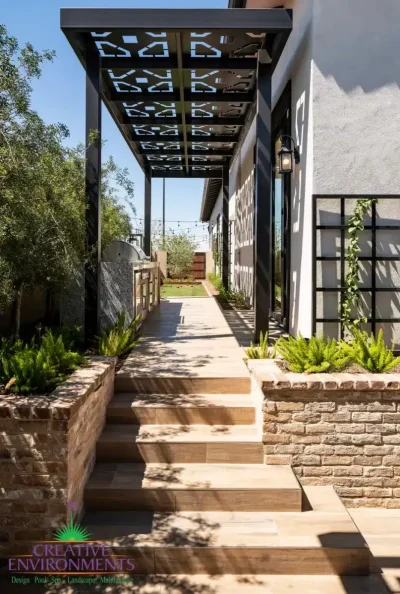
x,y
170,290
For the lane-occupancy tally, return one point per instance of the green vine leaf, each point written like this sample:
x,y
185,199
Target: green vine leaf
x,y
351,295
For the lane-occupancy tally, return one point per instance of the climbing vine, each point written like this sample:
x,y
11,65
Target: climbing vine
x,y
351,295
216,255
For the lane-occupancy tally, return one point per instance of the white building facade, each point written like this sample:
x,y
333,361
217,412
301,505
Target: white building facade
x,y
336,92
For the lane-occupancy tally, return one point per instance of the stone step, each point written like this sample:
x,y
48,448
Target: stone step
x,y
311,542
182,409
233,444
154,382
200,487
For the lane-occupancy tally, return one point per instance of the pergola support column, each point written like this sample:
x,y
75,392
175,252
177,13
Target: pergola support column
x,y
147,213
93,193
262,199
225,227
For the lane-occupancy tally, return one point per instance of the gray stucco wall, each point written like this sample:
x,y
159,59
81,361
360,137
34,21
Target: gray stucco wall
x,y
387,272
356,96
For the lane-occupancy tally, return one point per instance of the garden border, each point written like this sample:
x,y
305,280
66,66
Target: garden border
x,y
338,429
47,452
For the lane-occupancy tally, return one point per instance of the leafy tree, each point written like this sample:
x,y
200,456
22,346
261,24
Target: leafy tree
x,y
180,249
42,190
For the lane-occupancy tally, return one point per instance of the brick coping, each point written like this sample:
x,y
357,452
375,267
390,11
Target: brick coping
x,y
270,376
66,399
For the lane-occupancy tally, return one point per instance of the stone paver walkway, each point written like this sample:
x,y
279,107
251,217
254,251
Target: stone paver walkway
x,y
187,338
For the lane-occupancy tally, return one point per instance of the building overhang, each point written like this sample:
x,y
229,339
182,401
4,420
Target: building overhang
x,y
179,84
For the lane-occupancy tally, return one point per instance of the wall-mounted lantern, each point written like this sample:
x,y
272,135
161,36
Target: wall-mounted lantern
x,y
287,155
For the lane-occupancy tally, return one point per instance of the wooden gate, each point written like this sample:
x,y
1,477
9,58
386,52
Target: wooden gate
x,y
199,265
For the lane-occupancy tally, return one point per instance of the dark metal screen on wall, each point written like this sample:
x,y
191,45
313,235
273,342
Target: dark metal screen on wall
x,y
379,264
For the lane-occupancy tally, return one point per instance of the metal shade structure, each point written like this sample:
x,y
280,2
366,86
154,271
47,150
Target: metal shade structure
x,y
180,85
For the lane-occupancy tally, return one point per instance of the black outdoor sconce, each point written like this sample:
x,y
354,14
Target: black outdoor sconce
x,y
287,155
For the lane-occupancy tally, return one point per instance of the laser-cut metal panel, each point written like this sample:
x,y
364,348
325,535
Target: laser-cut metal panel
x,y
178,83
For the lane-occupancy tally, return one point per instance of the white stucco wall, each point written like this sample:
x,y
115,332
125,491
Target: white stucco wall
x,y
343,62
296,65
356,74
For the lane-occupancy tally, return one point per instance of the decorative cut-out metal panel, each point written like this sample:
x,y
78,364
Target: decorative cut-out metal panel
x,y
180,93
151,102
163,44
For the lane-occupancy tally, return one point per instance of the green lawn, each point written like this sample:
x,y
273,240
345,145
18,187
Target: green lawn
x,y
177,290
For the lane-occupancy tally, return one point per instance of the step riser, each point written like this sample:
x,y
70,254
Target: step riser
x,y
208,500
181,416
176,453
173,385
239,560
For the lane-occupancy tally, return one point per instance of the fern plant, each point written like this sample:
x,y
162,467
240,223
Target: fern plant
x,y
261,351
371,353
317,355
31,370
117,340
58,354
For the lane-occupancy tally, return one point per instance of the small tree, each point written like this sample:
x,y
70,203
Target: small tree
x,y
42,190
180,250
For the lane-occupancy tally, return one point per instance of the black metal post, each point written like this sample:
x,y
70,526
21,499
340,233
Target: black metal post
x,y
262,199
93,192
225,227
163,214
147,213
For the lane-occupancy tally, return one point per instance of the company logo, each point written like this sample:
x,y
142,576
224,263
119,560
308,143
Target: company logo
x,y
70,553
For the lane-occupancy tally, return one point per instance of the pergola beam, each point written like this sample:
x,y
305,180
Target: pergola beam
x,y
272,20
188,63
198,174
214,153
190,121
190,138
206,97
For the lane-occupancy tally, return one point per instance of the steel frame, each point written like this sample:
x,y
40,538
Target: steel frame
x,y
270,29
373,258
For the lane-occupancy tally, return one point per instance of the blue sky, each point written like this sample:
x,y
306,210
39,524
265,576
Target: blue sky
x,y
59,95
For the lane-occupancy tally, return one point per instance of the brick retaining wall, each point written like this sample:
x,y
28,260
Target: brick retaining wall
x,y
335,429
47,451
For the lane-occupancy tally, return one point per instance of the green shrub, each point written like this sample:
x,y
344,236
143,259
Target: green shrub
x,y
72,336
261,351
59,353
215,280
116,340
224,295
30,371
241,299
31,368
317,355
7,349
371,353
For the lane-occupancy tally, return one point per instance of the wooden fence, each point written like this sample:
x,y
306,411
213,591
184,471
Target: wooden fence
x,y
199,265
146,293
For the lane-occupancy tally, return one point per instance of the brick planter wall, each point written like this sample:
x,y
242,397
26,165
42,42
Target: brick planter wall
x,y
335,429
47,451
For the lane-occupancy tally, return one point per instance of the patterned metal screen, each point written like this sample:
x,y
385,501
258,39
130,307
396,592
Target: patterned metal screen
x,y
180,96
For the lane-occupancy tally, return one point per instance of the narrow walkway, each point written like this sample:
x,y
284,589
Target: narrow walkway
x,y
187,338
